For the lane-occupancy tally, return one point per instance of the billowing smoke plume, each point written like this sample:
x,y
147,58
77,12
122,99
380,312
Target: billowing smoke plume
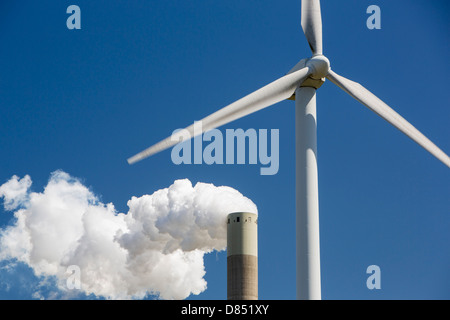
x,y
156,248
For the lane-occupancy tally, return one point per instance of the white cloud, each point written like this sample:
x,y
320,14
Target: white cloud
x,y
156,248
14,192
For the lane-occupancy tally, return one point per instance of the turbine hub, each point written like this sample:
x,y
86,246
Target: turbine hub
x,y
320,66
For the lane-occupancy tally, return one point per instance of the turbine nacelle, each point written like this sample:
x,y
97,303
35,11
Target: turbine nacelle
x,y
320,66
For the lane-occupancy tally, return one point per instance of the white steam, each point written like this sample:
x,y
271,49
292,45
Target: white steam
x,y
156,248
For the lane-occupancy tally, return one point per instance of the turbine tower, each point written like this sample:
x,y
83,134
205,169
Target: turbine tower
x,y
300,84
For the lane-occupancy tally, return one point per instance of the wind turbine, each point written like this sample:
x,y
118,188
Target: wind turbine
x,y
300,84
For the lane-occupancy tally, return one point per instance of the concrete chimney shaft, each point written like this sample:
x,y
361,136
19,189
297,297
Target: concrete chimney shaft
x,y
242,256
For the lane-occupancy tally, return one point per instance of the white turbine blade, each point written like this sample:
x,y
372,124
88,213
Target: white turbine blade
x,y
272,93
368,99
312,24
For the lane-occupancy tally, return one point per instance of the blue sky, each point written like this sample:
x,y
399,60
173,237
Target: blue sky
x,y
83,101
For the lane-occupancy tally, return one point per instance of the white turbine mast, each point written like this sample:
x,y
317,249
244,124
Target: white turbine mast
x,y
301,84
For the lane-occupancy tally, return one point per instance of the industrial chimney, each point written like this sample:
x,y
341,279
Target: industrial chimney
x,y
242,256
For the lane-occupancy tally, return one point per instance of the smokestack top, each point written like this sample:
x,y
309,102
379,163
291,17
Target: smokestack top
x,y
242,234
